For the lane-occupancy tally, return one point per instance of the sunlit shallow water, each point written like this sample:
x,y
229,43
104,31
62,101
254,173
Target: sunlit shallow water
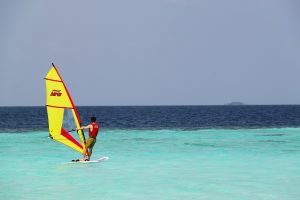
x,y
156,164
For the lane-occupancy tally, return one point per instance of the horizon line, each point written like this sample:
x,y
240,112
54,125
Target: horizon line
x,y
158,105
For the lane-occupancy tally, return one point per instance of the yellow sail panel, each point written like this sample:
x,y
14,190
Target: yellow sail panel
x,y
57,94
58,100
67,142
55,119
53,74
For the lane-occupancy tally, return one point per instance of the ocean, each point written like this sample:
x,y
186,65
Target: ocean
x,y
156,152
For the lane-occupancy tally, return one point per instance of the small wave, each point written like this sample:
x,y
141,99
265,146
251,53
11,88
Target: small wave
x,y
274,141
201,145
273,135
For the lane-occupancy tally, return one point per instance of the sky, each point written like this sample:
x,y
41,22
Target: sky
x,y
158,52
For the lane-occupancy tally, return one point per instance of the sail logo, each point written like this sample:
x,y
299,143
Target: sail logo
x,y
56,93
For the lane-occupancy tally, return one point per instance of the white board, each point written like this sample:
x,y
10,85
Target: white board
x,y
104,158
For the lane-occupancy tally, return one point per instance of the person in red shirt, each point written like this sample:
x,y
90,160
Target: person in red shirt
x,y
93,128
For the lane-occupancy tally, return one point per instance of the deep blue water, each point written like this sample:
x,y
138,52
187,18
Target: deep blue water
x,y
14,119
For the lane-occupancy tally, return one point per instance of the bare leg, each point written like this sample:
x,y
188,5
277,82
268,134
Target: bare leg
x,y
85,153
90,153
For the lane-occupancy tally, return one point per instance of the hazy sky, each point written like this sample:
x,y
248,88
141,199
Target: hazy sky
x,y
154,52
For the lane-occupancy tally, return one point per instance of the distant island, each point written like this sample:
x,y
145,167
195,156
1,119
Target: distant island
x,y
235,103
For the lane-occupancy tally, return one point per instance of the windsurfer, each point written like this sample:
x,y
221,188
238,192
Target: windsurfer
x,y
93,128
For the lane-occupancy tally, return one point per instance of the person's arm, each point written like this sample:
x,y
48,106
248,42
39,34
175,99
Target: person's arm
x,y
84,127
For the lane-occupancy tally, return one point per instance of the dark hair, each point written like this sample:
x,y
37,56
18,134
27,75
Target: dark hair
x,y
93,119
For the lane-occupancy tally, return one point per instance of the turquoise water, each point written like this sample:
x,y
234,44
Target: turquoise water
x,y
207,164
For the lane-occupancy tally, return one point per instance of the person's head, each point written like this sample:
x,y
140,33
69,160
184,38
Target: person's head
x,y
93,119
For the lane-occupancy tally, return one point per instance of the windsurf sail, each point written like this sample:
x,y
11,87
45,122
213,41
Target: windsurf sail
x,y
60,106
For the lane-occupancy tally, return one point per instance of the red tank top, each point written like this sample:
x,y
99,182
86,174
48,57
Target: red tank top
x,y
95,130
